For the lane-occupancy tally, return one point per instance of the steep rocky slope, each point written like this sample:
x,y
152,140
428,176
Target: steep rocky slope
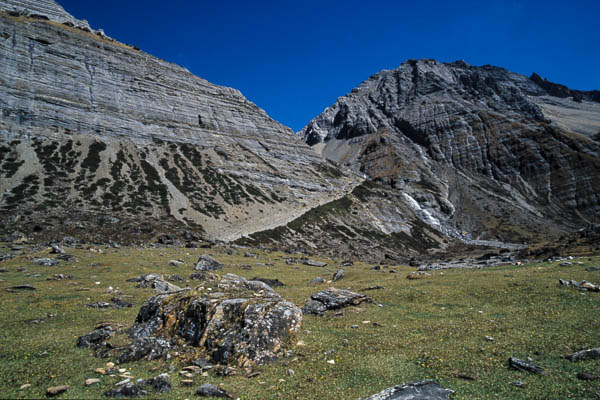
x,y
475,152
96,136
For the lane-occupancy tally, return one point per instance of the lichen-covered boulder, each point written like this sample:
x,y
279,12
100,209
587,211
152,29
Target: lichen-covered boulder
x,y
332,299
235,321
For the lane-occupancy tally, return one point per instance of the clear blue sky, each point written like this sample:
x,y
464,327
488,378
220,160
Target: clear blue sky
x,y
294,58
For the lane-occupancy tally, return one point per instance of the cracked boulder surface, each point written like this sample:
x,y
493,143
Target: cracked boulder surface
x,y
234,321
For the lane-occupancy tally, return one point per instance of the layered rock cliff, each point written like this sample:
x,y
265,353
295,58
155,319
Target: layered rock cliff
x,y
475,152
96,135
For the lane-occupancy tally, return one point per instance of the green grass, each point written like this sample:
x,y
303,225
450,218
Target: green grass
x,y
432,328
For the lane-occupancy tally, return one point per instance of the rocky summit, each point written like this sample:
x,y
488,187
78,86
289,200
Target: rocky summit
x,y
477,153
98,138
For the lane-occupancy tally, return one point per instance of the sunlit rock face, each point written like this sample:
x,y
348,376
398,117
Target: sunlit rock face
x,y
97,134
478,152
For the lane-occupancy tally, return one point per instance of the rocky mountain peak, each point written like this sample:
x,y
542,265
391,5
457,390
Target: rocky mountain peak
x,y
442,133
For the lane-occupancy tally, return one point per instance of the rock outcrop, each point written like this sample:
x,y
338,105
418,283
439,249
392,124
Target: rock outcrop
x,y
231,321
99,138
468,149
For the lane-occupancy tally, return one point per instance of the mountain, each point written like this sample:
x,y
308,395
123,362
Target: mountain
x,y
100,139
477,153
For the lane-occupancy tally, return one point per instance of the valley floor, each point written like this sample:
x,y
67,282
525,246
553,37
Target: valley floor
x,y
434,327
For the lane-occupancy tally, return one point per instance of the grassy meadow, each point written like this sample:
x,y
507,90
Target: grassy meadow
x,y
433,327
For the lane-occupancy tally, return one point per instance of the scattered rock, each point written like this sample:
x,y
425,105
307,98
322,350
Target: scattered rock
x,y
424,390
317,281
205,276
175,263
128,389
207,263
156,282
97,337
46,262
187,382
489,338
22,287
66,257
464,376
56,390
338,275
586,376
91,381
331,299
524,366
174,278
314,263
250,255
160,383
208,390
371,288
418,275
25,386
585,355
246,267
518,384
271,282
347,263
56,249
584,285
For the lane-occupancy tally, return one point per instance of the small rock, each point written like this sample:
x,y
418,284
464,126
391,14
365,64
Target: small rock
x,y
586,376
314,263
175,263
524,366
100,371
46,262
56,249
354,326
317,281
489,338
207,263
208,390
187,382
331,362
123,382
585,355
23,287
290,372
519,384
160,383
91,381
56,390
338,275
592,269
418,275
426,389
25,386
126,390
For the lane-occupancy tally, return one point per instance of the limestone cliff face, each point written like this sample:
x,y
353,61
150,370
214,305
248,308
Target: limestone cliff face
x,y
90,127
477,152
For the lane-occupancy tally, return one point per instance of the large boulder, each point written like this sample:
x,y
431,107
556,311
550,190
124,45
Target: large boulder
x,y
233,321
332,299
424,390
207,263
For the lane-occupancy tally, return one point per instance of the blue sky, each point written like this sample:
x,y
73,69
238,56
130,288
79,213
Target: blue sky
x,y
294,58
